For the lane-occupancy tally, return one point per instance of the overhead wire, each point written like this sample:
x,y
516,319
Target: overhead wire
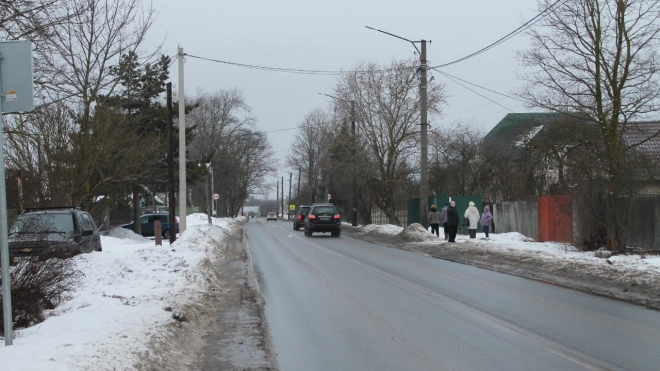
x,y
510,35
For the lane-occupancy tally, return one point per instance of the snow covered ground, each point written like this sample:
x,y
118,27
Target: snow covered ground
x,y
515,243
130,293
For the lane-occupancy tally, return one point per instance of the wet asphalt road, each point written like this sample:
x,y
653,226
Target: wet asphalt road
x,y
347,304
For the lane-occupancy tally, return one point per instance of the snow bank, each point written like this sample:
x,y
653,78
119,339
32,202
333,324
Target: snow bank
x,y
130,291
417,233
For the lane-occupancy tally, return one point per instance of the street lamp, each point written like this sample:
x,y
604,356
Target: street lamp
x,y
424,127
352,102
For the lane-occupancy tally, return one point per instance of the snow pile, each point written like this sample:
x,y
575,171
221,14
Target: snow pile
x,y
131,293
120,232
416,233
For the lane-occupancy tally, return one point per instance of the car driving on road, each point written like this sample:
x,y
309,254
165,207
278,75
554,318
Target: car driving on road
x,y
271,215
57,232
299,218
323,218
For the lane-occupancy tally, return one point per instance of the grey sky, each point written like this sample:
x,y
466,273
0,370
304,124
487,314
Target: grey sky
x,y
331,35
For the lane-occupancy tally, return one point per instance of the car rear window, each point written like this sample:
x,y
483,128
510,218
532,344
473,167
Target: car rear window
x,y
324,210
304,210
43,223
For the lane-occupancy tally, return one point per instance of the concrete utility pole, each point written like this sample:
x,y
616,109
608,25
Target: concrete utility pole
x,y
282,197
289,201
182,148
277,198
170,165
423,178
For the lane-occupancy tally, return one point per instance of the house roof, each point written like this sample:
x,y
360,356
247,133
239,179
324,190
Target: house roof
x,y
645,132
515,127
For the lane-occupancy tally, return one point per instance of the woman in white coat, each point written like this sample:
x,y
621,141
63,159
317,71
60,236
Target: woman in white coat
x,y
472,214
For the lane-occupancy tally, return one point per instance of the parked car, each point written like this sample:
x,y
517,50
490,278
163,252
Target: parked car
x,y
299,218
323,218
271,215
147,226
56,232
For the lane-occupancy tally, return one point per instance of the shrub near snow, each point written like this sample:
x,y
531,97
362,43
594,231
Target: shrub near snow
x,y
417,233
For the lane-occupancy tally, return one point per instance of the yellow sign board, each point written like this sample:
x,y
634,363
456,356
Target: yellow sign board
x,y
292,207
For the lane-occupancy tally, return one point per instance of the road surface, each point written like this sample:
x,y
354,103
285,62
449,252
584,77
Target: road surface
x,y
347,304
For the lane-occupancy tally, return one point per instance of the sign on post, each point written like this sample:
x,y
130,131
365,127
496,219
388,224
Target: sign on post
x,y
216,196
16,95
292,207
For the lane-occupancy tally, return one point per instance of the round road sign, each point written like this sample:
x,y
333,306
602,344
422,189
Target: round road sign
x,y
216,196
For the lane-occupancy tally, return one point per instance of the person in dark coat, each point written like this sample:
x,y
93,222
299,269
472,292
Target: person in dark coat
x,y
453,220
443,220
434,220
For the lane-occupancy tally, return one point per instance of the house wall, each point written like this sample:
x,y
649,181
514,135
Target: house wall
x,y
517,216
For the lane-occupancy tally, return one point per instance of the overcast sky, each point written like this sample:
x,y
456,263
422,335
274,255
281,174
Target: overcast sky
x,y
331,35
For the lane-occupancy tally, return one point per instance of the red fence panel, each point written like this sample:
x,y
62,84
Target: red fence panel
x,y
556,219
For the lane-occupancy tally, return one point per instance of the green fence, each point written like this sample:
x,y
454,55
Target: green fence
x,y
414,206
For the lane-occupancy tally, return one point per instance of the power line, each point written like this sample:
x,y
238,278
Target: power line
x,y
510,35
478,86
479,94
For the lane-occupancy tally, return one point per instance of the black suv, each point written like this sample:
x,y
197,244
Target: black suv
x,y
299,218
58,232
323,218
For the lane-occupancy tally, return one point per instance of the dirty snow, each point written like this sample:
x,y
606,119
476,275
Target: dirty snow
x,y
130,291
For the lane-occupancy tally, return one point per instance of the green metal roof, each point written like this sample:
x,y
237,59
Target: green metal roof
x,y
515,125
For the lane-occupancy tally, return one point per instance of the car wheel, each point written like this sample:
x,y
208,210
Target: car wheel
x,y
166,234
338,233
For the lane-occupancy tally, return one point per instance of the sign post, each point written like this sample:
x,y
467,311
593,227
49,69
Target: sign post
x,y
16,95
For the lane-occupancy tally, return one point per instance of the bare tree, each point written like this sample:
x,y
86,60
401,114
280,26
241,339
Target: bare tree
x,y
80,52
388,110
456,163
598,59
310,149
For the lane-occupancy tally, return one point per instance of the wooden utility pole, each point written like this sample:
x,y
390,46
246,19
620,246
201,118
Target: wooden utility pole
x,y
289,200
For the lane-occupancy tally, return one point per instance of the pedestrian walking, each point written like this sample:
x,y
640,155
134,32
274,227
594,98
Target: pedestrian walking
x,y
453,219
472,214
443,220
486,217
434,220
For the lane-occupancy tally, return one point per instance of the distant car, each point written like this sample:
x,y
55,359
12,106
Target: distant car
x,y
147,225
56,232
299,218
323,218
271,215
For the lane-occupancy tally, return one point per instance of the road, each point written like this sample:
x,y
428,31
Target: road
x,y
347,304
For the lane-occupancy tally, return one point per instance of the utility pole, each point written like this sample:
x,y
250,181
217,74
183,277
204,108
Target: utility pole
x,y
182,148
354,211
423,178
298,189
289,202
277,198
282,197
170,165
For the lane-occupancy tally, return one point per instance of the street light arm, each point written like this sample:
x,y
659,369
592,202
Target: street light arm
x,y
333,97
393,35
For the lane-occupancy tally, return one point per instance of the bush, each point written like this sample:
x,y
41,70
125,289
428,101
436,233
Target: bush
x,y
38,286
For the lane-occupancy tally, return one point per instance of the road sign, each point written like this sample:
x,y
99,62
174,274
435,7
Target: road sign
x,y
329,196
216,196
292,207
